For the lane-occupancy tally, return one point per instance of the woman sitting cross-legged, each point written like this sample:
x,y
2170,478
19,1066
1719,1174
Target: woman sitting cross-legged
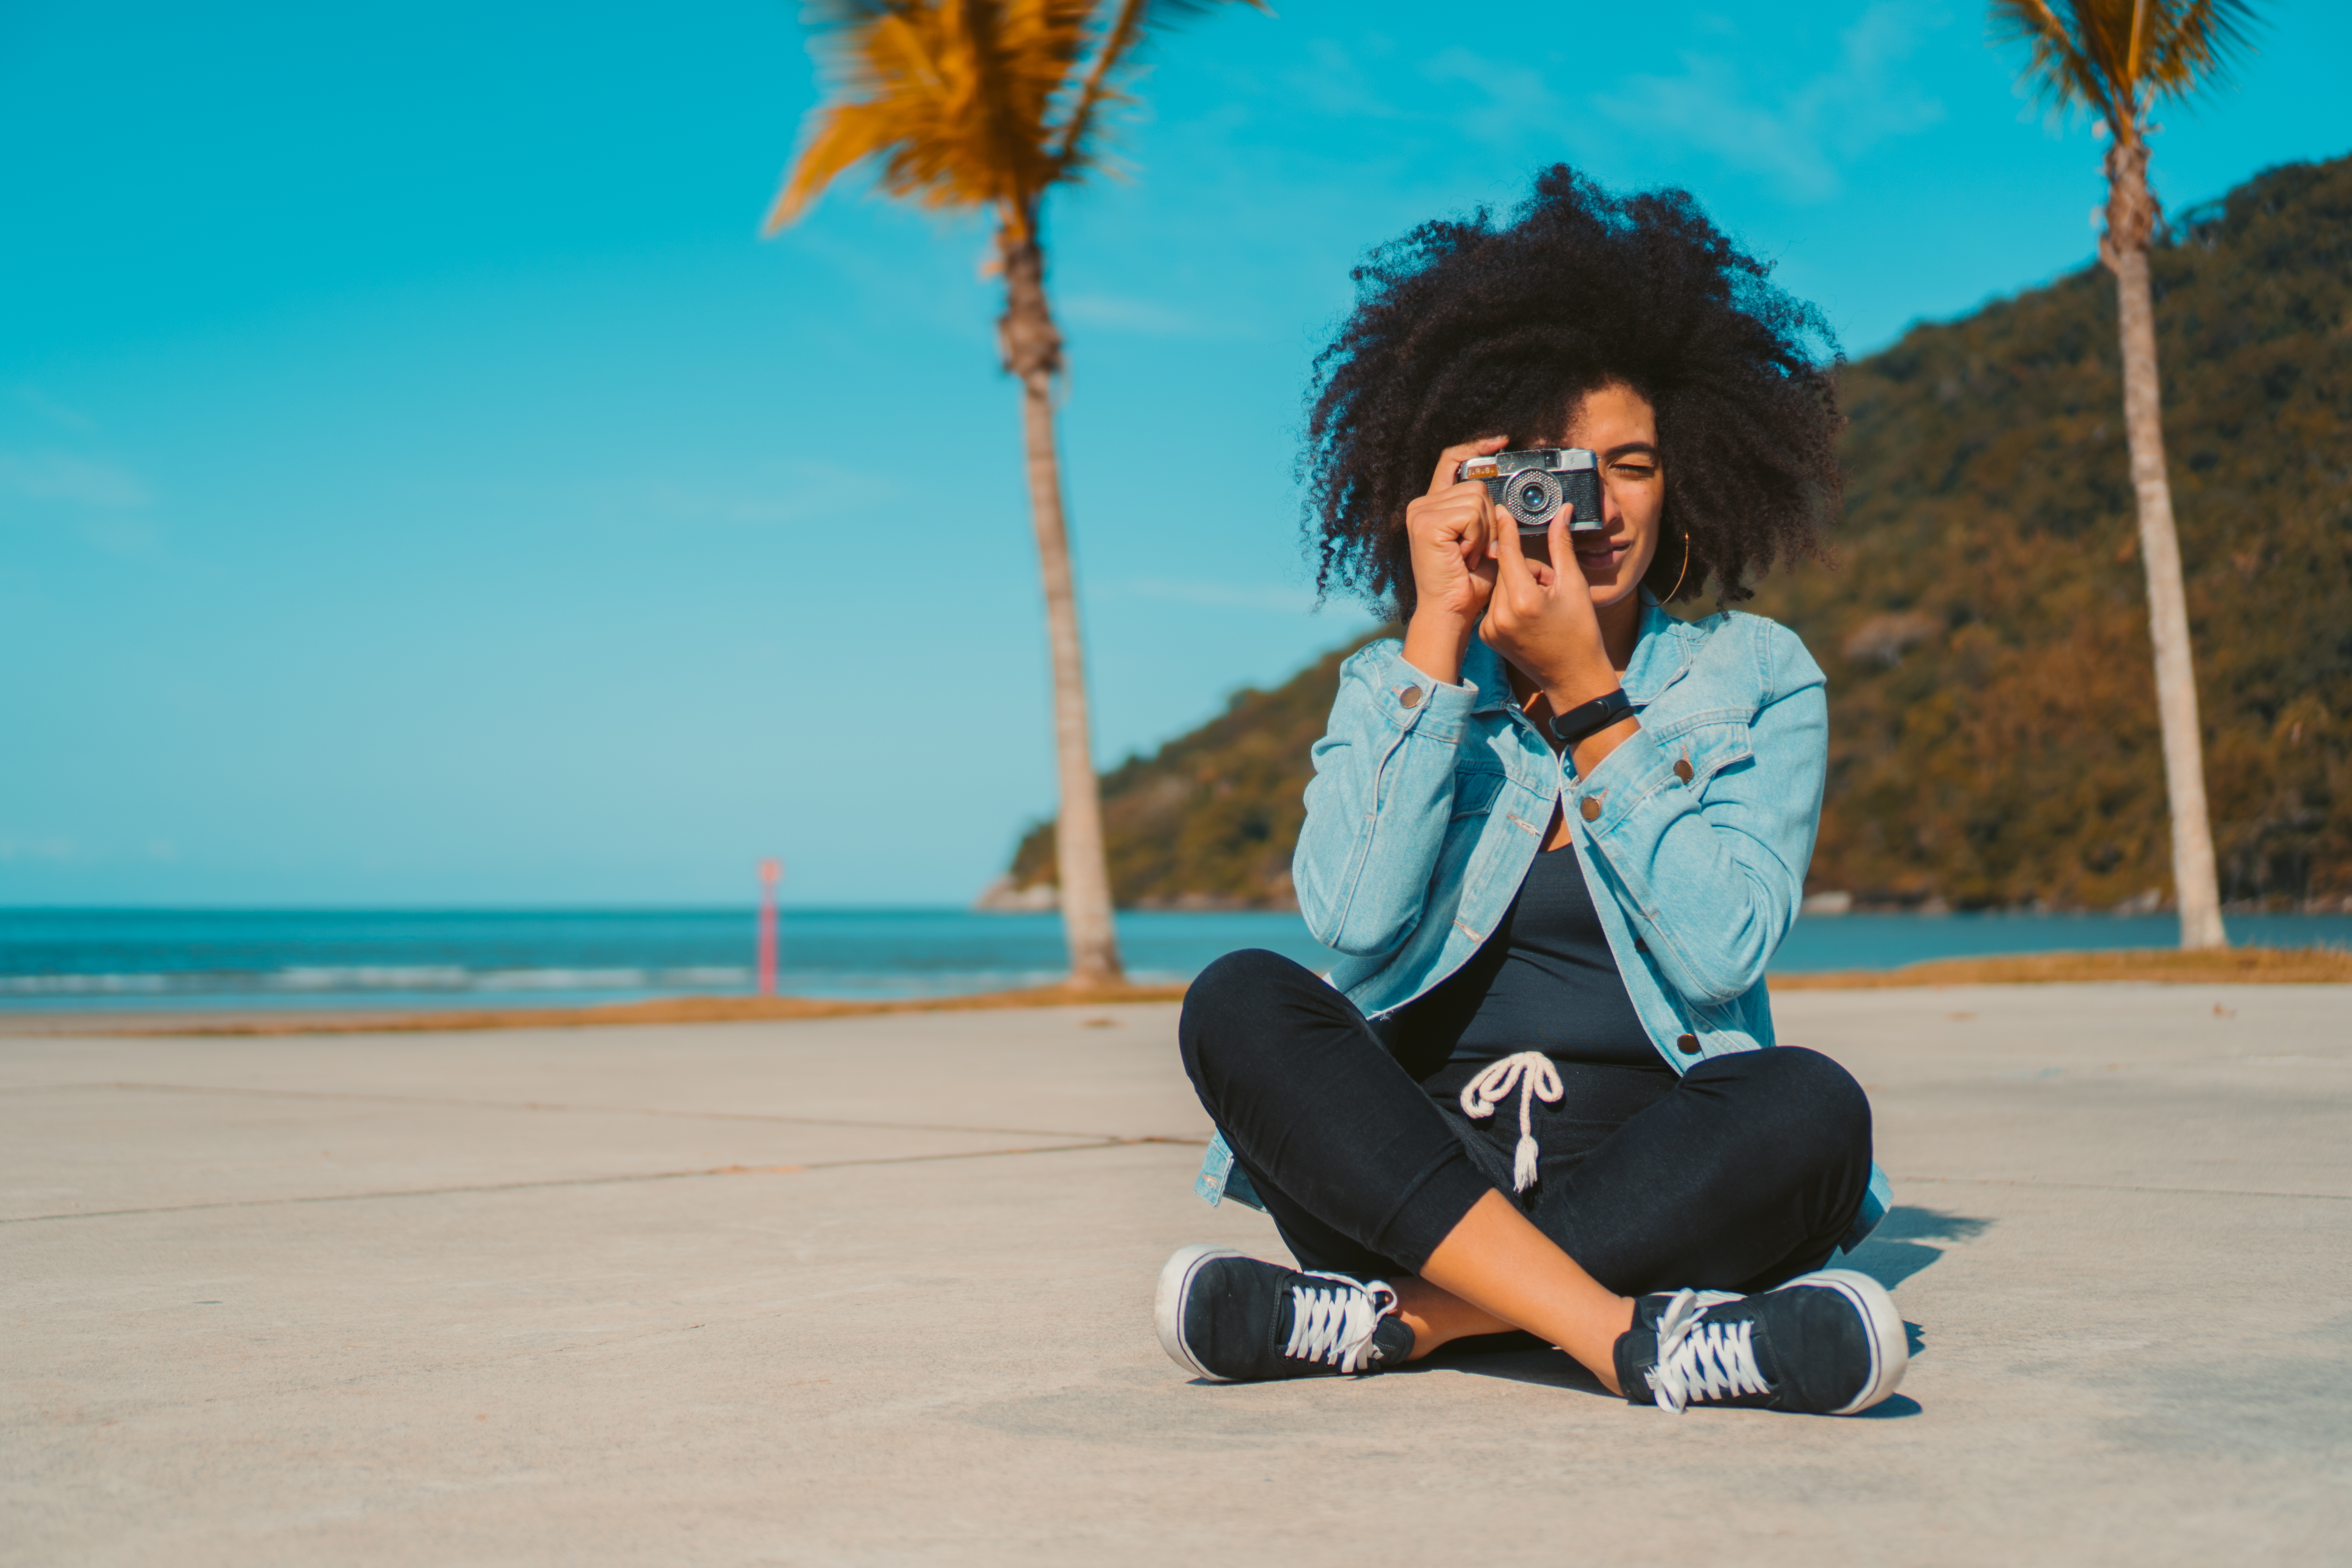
x,y
1557,834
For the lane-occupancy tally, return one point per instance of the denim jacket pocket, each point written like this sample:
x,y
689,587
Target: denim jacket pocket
x,y
1475,791
1705,745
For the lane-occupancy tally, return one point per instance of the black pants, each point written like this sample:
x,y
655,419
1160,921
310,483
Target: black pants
x,y
1738,1174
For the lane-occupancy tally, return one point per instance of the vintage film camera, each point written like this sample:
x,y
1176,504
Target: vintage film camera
x,y
1533,485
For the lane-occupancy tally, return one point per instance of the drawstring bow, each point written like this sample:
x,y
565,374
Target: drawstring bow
x,y
1534,1076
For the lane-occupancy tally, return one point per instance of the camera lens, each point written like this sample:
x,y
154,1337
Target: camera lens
x,y
1532,498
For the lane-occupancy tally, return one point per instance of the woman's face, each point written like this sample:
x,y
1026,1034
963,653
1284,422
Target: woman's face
x,y
1620,425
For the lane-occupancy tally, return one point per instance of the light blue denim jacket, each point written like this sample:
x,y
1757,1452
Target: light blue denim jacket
x,y
1429,802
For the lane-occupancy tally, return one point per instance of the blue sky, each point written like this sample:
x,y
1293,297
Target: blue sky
x,y
419,484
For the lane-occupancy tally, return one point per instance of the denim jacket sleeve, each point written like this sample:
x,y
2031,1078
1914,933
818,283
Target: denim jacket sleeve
x,y
1378,804
1707,826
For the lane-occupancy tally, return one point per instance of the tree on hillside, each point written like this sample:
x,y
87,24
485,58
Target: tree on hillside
x,y
986,105
2117,58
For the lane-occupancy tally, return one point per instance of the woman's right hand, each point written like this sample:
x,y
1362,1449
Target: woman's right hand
x,y
1453,572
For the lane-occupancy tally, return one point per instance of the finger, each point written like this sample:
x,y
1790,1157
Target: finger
x,y
1482,525
1563,552
1452,457
1470,545
1510,560
1437,521
1454,522
1477,546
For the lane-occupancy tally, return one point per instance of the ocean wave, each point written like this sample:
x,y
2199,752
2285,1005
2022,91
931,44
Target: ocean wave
x,y
367,978
83,985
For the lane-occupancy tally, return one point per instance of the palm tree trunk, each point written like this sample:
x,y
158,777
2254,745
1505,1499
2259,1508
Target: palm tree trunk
x,y
2131,214
1033,351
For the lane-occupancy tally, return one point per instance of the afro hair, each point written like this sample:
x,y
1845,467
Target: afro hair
x,y
1464,330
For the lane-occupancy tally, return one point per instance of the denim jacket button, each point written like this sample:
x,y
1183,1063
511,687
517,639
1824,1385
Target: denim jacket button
x,y
1409,696
1682,769
1592,808
1687,1044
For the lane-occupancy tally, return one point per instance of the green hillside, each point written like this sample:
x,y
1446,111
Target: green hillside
x,y
1208,821
1993,735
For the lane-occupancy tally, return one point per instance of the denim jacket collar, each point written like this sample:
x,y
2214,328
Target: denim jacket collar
x,y
1665,650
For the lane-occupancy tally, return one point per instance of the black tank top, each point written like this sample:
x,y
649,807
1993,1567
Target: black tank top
x,y
1543,980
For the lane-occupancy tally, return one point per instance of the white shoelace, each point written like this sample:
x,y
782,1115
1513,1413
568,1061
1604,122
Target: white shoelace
x,y
1533,1075
1702,1359
1335,1325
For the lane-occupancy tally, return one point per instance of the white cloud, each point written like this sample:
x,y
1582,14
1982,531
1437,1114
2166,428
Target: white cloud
x,y
52,850
1800,139
1114,314
1517,94
803,490
78,481
1264,597
1326,77
54,412
1798,133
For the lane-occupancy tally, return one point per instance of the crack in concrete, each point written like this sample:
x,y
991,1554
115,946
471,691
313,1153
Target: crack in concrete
x,y
552,1105
1099,1143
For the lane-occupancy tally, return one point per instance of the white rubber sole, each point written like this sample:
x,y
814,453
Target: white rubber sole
x,y
1890,1347
1167,1307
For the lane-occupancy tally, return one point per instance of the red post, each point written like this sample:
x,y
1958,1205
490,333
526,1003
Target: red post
x,y
771,873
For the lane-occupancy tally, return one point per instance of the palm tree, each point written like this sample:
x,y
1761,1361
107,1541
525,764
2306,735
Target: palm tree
x,y
2117,58
987,105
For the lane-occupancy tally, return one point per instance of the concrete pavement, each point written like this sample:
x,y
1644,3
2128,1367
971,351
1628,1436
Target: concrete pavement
x,y
877,1290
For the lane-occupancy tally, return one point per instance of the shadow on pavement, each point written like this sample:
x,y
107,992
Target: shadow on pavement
x,y
1904,1223
1521,1358
1895,1251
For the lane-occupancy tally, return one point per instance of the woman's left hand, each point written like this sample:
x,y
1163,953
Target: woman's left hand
x,y
1541,619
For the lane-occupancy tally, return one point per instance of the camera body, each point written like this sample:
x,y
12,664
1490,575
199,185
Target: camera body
x,y
1532,485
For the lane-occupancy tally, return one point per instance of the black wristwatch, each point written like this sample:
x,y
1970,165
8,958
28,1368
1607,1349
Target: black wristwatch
x,y
1591,718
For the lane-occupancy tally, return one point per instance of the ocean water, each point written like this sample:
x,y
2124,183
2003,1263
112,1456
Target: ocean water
x,y
312,959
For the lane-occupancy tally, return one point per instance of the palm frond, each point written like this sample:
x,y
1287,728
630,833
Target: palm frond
x,y
2059,69
1129,28
2195,46
2116,57
952,95
968,103
1121,36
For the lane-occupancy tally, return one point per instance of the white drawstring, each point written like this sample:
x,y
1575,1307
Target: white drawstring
x,y
1703,1359
1335,1325
1533,1075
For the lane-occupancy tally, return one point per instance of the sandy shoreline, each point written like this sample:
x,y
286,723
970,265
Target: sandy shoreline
x,y
2234,966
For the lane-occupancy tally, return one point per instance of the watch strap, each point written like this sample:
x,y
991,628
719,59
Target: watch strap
x,y
1590,718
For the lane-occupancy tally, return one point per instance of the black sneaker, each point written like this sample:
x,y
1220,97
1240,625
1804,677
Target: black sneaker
x,y
1237,1319
1830,1343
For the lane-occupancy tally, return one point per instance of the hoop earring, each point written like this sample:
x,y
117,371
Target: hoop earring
x,y
1681,574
